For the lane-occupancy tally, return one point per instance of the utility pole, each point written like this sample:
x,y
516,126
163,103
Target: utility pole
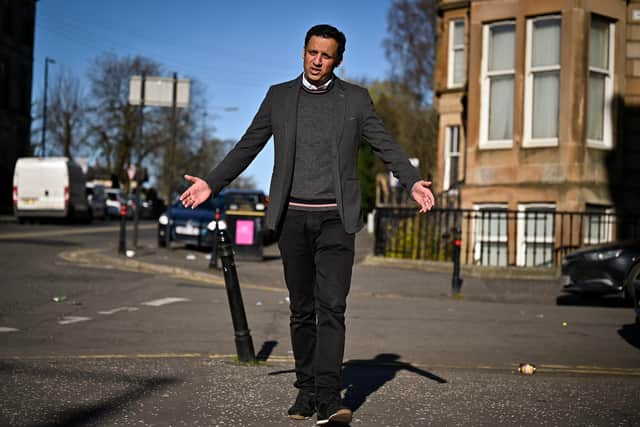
x,y
136,213
47,61
172,149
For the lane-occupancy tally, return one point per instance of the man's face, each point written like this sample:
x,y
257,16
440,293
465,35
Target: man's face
x,y
320,57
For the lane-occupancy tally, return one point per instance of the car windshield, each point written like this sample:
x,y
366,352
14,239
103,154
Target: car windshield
x,y
242,201
205,206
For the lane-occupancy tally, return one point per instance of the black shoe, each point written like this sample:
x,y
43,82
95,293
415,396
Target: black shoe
x,y
331,410
304,407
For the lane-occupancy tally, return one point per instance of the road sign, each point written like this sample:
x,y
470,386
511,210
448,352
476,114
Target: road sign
x,y
158,91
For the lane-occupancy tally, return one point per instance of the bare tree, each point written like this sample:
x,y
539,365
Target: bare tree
x,y
411,45
67,112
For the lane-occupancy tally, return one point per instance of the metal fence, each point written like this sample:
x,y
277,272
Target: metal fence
x,y
538,237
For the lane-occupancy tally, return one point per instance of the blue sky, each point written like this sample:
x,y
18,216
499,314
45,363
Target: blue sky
x,y
236,48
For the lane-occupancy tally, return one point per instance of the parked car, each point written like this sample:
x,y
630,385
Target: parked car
x,y
193,226
601,270
189,226
97,199
115,198
52,187
633,288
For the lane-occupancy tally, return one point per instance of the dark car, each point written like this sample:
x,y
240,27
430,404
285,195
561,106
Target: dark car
x,y
235,207
601,270
633,288
188,226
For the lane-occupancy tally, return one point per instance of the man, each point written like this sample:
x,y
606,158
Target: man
x,y
317,122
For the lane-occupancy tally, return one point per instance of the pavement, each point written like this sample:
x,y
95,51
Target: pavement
x,y
416,355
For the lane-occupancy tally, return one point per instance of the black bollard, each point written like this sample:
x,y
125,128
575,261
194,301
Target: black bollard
x,y
213,261
122,245
244,344
456,281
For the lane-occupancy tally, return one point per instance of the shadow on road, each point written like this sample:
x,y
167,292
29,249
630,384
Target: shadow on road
x,y
266,350
362,378
593,301
130,388
631,334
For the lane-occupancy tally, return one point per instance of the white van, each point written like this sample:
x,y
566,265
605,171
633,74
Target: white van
x,y
52,187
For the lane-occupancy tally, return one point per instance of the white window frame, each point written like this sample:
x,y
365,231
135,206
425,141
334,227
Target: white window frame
x,y
486,90
530,71
607,142
521,252
608,216
452,50
479,240
448,154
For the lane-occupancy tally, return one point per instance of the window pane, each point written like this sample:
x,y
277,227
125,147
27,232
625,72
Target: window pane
x,y
453,171
599,44
454,139
458,66
539,255
501,108
501,47
458,33
539,226
546,42
494,254
546,104
595,101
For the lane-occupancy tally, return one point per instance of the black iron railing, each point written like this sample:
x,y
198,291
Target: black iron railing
x,y
494,236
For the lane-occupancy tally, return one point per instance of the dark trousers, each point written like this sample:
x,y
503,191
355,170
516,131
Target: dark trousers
x,y
318,257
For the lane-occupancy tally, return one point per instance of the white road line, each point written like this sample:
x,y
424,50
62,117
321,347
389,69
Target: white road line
x,y
119,309
164,301
8,329
67,320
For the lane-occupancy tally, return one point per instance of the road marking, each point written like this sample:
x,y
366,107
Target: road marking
x,y
67,320
68,232
542,369
8,329
164,301
117,310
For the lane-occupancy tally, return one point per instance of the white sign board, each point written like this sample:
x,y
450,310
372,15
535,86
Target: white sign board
x,y
158,91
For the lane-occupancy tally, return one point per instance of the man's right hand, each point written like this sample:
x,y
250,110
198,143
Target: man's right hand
x,y
196,194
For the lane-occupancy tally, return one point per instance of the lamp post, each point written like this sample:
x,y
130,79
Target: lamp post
x,y
47,61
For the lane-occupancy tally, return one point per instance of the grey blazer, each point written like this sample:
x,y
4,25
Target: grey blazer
x,y
355,119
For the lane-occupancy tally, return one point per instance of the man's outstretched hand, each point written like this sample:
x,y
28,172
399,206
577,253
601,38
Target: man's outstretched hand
x,y
421,193
196,194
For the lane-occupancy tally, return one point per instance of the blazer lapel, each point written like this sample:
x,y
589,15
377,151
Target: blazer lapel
x,y
339,112
291,117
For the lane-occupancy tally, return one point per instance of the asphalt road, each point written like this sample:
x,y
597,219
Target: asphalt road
x,y
150,342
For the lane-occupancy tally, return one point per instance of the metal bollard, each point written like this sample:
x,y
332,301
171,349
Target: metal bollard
x,y
122,245
213,261
456,281
244,344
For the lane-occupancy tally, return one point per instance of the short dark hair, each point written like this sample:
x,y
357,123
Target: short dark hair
x,y
328,32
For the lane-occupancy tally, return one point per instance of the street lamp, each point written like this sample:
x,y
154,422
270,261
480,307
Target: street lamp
x,y
47,61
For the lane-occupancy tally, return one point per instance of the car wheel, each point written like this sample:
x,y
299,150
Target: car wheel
x,y
632,288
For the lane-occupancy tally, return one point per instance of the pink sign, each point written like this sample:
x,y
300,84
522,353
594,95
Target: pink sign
x,y
244,232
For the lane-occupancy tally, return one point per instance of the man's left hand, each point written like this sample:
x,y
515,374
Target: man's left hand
x,y
421,193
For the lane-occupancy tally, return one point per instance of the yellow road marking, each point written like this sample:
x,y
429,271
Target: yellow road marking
x,y
541,369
